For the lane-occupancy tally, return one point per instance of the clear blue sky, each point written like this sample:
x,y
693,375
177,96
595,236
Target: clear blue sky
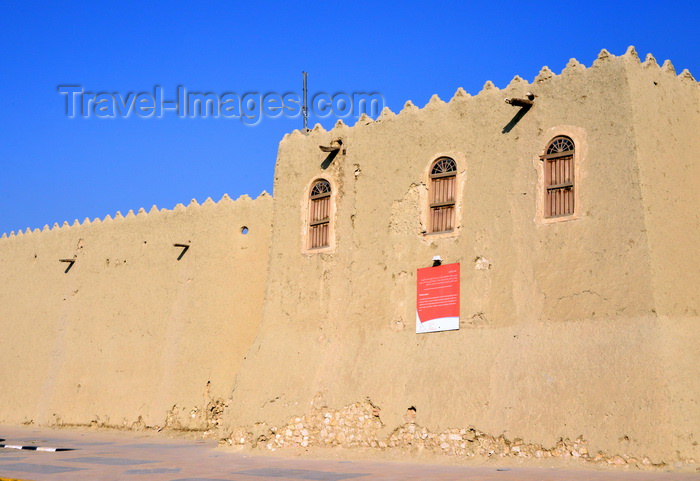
x,y
54,168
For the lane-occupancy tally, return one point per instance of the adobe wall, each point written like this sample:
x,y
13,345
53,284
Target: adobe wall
x,y
567,328
584,329
131,336
667,124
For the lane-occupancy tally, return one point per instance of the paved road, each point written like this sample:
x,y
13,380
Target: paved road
x,y
107,456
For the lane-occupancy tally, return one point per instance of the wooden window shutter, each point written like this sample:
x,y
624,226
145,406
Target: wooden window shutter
x,y
443,194
559,178
319,215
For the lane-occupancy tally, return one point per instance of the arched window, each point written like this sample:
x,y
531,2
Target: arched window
x,y
559,178
320,214
443,194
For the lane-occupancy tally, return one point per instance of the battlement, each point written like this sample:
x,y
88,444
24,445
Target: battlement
x,y
140,214
517,86
573,69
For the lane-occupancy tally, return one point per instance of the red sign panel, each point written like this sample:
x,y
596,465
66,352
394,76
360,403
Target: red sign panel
x,y
437,299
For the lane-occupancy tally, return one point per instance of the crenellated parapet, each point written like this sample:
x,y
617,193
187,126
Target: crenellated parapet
x,y
141,214
573,69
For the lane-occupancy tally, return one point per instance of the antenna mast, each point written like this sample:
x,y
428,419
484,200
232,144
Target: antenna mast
x,y
305,107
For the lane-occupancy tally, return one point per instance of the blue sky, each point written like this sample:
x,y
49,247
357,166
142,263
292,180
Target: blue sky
x,y
54,168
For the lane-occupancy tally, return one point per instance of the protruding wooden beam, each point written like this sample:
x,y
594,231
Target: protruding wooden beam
x,y
528,101
335,146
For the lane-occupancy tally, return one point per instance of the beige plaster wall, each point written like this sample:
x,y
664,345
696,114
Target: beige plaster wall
x,y
562,332
130,336
667,129
586,326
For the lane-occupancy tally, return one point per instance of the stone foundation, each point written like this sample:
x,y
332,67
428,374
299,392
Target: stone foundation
x,y
359,425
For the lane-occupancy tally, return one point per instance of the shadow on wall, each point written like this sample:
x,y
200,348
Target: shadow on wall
x,y
516,118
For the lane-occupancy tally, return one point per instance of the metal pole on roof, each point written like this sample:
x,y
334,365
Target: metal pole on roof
x,y
305,107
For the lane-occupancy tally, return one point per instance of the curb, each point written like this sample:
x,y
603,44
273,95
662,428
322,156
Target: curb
x,y
33,448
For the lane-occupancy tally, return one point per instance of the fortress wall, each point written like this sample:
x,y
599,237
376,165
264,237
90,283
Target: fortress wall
x,y
131,336
585,327
667,128
667,124
559,336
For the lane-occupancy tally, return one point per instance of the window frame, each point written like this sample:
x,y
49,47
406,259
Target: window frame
x,y
565,173
311,224
455,188
579,136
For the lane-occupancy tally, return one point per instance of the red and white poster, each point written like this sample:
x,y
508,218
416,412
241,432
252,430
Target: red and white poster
x,y
437,300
